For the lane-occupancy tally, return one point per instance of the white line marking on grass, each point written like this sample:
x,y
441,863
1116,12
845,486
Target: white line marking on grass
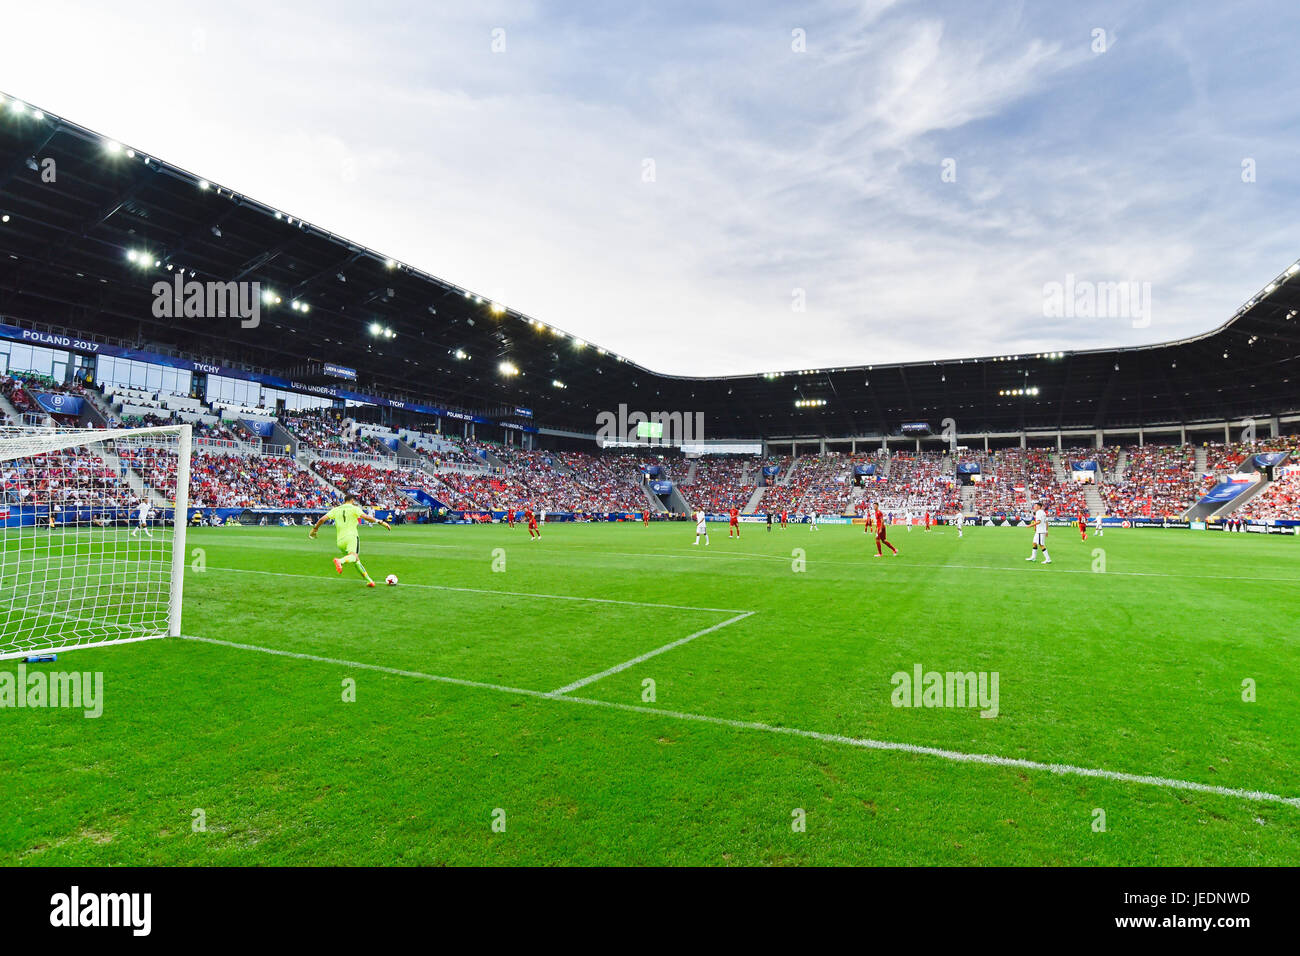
x,y
447,587
992,760
649,654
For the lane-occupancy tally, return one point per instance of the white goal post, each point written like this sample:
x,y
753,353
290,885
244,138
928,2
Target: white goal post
x,y
92,536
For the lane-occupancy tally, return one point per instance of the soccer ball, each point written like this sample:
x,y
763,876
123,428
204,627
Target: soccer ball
x,y
391,580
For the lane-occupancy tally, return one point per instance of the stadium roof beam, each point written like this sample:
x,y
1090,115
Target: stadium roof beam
x,y
20,162
261,261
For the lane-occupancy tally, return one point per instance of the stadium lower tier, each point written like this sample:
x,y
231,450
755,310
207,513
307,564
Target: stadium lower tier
x,y
1150,481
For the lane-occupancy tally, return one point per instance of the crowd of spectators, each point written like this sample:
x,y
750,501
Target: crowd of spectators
x,y
1280,500
1159,480
1014,480
374,487
73,477
324,432
919,482
723,482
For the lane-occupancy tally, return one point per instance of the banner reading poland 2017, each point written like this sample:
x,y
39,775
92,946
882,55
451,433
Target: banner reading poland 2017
x,y
57,404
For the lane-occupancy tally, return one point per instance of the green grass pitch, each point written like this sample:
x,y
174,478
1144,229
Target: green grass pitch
x,y
456,750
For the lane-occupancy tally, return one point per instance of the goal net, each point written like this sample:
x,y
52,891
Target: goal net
x,y
92,536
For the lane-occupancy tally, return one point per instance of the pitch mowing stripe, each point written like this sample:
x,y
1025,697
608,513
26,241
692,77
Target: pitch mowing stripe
x,y
552,597
865,743
649,654
719,556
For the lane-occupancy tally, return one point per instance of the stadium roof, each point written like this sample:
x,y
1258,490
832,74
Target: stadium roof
x,y
86,239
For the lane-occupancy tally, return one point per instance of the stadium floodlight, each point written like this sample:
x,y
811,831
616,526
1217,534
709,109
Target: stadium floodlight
x,y
496,308
556,383
509,369
389,264
103,563
204,184
4,218
18,106
376,328
113,146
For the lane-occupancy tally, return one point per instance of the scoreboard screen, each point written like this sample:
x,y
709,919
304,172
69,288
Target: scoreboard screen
x,y
649,429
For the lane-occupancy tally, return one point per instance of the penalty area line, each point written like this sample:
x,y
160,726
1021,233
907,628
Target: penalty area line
x,y
864,743
649,654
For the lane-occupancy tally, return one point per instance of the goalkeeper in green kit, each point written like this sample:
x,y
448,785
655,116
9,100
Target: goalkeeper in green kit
x,y
348,518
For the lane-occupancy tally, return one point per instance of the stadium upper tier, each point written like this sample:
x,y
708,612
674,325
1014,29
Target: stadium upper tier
x,y
85,257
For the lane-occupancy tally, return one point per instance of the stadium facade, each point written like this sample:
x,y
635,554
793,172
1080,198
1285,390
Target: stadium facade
x,y
105,251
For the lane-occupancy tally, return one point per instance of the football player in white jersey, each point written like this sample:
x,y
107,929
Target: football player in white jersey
x,y
142,519
812,520
960,521
701,527
1097,523
1040,536
907,516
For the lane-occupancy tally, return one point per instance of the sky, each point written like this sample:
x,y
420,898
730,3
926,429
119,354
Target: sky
x,y
736,187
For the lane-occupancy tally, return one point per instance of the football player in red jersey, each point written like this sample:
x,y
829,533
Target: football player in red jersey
x,y
733,524
880,534
1083,526
645,518
531,517
785,516
510,517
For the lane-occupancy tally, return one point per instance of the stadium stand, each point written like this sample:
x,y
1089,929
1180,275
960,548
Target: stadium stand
x,y
1159,480
723,482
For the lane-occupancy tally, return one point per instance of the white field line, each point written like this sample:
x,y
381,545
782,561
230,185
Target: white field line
x,y
447,587
722,556
649,654
493,591
991,760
